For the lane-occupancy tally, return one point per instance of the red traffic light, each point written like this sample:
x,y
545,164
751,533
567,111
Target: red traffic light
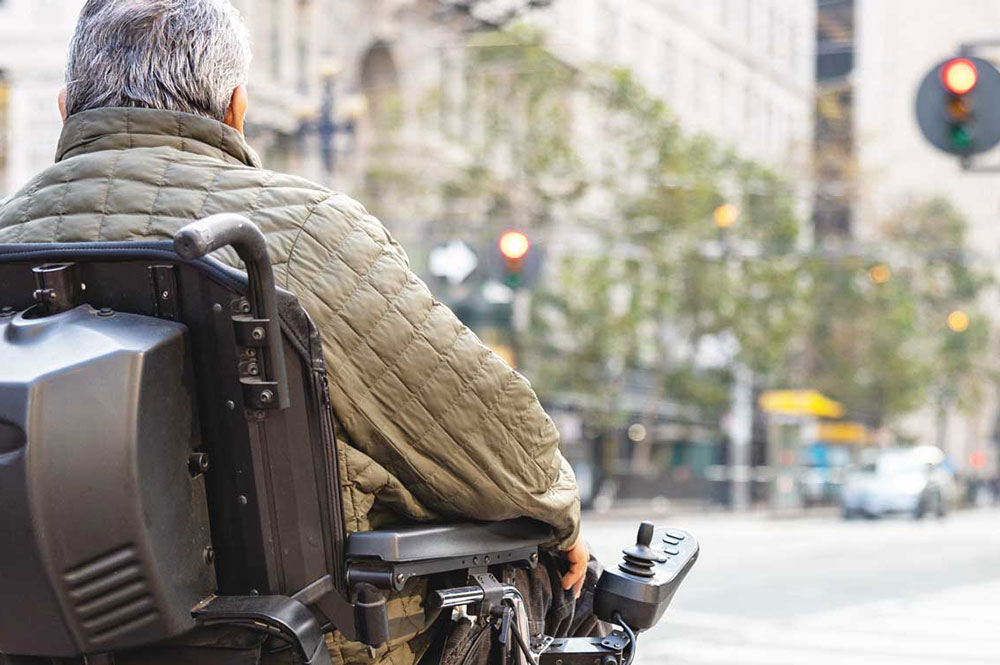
x,y
959,76
514,245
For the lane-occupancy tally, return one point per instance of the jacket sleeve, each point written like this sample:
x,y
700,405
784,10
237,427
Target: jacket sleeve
x,y
416,390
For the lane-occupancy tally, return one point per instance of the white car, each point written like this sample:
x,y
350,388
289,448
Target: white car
x,y
914,481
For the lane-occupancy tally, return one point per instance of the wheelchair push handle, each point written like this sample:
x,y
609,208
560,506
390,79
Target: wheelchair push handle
x,y
212,233
207,235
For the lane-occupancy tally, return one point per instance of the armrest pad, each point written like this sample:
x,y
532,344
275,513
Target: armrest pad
x,y
438,541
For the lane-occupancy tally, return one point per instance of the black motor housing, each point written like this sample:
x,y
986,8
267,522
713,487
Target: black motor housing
x,y
106,541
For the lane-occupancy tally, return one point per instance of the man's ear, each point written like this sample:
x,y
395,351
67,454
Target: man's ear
x,y
237,111
62,103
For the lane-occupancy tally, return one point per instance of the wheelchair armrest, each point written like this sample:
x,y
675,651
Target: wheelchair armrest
x,y
386,558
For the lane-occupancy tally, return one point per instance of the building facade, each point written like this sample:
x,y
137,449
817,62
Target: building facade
x,y
34,35
738,70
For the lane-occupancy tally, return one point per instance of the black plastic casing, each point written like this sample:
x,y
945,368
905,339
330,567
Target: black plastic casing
x,y
643,600
104,530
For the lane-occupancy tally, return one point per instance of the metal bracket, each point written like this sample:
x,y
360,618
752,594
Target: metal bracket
x,y
251,332
493,594
259,394
164,282
582,651
253,339
57,287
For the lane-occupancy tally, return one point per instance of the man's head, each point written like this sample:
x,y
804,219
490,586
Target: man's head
x,y
177,55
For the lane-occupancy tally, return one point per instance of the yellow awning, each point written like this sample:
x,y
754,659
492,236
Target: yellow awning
x,y
800,403
842,432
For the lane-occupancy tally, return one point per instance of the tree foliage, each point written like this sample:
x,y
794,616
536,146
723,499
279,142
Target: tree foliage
x,y
643,291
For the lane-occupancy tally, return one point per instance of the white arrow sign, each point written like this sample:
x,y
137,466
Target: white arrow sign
x,y
454,261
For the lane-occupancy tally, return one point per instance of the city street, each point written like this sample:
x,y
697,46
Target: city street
x,y
824,591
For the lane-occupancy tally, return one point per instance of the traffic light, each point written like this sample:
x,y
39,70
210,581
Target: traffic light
x,y
958,106
514,246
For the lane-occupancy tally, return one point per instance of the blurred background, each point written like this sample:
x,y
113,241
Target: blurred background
x,y
756,300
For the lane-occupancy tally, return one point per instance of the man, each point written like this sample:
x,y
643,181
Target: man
x,y
434,425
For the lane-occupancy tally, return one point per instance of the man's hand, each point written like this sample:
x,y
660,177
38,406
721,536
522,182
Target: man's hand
x,y
578,557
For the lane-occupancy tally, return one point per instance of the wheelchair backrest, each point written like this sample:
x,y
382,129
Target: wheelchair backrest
x,y
126,373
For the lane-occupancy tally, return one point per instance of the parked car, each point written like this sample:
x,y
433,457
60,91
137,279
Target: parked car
x,y
915,481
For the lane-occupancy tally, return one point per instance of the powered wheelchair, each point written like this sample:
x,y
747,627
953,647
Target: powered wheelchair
x,y
169,470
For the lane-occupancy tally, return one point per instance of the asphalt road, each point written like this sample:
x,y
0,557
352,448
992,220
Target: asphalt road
x,y
822,591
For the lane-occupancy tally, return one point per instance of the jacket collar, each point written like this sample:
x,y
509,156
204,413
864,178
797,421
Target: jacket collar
x,y
123,128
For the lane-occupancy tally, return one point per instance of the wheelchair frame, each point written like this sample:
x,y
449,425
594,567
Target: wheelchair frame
x,y
282,561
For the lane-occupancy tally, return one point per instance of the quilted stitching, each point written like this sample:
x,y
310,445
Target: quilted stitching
x,y
435,423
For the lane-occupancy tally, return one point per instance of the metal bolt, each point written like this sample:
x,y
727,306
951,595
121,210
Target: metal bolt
x,y
259,415
258,334
610,660
245,307
475,560
534,557
487,558
400,578
242,499
559,661
198,464
254,592
216,308
266,396
165,295
209,555
230,404
254,370
105,311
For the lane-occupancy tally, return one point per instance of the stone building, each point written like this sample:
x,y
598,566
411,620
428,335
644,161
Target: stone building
x,y
738,70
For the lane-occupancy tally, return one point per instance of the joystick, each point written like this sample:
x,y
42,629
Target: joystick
x,y
638,591
640,558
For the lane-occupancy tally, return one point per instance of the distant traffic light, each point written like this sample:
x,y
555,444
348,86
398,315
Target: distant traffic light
x,y
514,246
958,106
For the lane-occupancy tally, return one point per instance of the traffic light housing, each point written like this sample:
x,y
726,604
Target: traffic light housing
x,y
958,106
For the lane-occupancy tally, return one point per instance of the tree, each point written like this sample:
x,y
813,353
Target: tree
x,y
664,287
879,335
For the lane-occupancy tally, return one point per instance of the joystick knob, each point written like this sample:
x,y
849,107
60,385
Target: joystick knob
x,y
640,558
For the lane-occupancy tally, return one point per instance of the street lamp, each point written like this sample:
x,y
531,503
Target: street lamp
x,y
331,120
958,321
879,274
726,215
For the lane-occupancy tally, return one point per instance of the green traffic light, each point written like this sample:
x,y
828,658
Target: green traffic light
x,y
961,139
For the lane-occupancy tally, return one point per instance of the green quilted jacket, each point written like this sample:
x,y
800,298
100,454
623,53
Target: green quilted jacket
x,y
433,424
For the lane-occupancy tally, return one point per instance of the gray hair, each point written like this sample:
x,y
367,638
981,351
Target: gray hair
x,y
177,55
